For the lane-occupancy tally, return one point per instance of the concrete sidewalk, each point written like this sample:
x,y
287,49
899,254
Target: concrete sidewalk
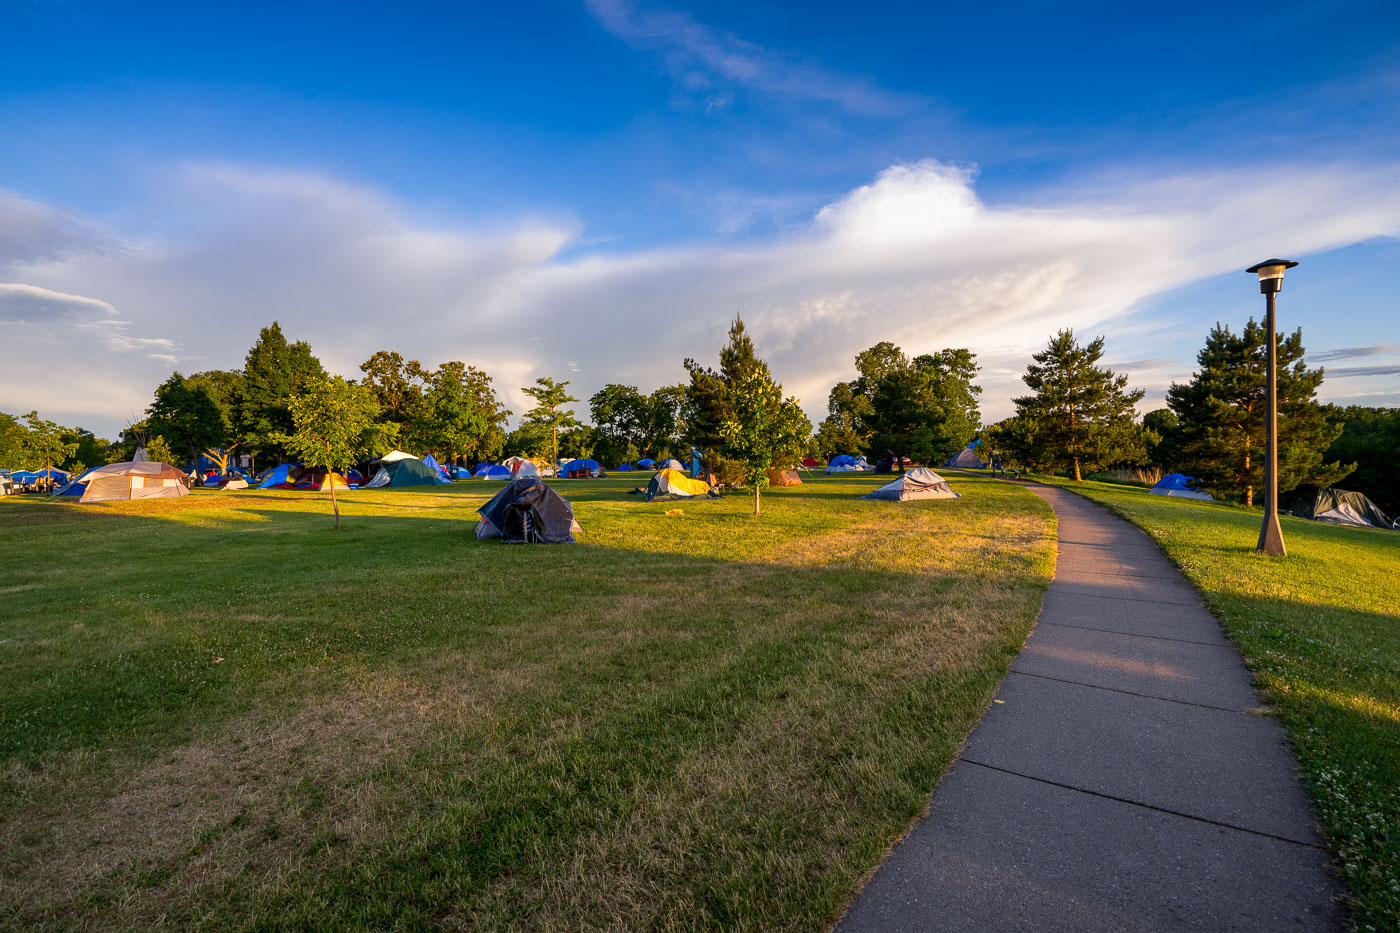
x,y
1123,782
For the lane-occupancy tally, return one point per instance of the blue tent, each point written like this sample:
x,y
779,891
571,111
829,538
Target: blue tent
x,y
625,468
277,475
1178,485
573,465
648,463
841,460
492,471
437,466
461,473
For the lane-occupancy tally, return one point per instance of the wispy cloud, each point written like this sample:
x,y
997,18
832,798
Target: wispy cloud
x,y
1353,353
710,61
1352,371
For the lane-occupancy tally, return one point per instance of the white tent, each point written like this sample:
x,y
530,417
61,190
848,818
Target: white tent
x,y
918,483
523,468
134,480
671,465
393,455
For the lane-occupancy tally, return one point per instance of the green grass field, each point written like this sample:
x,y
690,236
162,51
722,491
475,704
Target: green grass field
x,y
1321,630
219,713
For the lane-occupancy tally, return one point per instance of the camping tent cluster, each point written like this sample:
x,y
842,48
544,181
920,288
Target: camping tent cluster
x,y
405,471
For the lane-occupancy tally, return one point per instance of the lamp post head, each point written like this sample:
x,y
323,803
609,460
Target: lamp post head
x,y
1271,274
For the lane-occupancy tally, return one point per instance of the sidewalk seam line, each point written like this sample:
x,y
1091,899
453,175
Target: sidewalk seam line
x,y
1145,696
1146,806
1114,631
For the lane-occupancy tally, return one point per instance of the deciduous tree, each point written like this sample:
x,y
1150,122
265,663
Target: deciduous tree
x,y
187,414
331,419
44,445
766,431
1371,438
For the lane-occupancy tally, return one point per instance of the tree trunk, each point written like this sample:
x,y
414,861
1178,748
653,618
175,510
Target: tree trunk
x,y
1249,487
756,509
330,478
1077,477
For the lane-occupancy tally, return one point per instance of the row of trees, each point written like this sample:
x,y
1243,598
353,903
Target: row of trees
x,y
1079,418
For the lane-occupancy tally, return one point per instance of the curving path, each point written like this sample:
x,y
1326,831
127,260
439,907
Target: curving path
x,y
1123,781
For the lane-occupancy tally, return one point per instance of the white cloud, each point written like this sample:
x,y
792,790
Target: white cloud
x,y
706,60
913,257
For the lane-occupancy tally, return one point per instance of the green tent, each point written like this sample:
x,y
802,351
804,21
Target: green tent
x,y
407,472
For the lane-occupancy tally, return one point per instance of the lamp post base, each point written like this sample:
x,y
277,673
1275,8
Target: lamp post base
x,y
1271,538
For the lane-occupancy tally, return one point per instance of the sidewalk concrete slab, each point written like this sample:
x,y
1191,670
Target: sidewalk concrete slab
x,y
1166,668
999,853
1125,781
1161,753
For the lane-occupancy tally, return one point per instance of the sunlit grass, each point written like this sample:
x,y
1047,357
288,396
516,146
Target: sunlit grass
x,y
220,713
1321,629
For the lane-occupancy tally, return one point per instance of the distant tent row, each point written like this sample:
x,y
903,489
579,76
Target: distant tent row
x,y
296,476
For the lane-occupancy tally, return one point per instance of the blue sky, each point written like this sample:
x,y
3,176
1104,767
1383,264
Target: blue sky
x,y
591,190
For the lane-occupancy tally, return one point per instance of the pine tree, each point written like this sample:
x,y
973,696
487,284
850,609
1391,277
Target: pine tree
x,y
273,374
709,392
1221,415
546,414
1081,415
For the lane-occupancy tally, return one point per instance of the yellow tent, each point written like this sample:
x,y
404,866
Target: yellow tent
x,y
676,483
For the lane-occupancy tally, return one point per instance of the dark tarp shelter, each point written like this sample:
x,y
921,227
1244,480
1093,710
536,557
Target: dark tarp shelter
x,y
526,511
1340,507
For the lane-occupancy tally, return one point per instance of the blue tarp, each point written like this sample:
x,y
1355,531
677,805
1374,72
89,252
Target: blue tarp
x,y
52,473
647,463
492,471
572,465
277,475
437,466
1174,481
625,468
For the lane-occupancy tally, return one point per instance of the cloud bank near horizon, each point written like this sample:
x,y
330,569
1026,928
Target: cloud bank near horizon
x,y
97,314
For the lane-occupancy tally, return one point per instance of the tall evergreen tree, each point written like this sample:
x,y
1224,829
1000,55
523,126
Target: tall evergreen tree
x,y
273,374
1221,416
710,391
1081,415
549,414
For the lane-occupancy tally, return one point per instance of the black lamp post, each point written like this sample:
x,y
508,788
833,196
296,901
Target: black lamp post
x,y
1271,535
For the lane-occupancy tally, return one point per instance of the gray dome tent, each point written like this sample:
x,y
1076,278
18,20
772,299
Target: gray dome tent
x,y
526,511
1340,507
919,483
